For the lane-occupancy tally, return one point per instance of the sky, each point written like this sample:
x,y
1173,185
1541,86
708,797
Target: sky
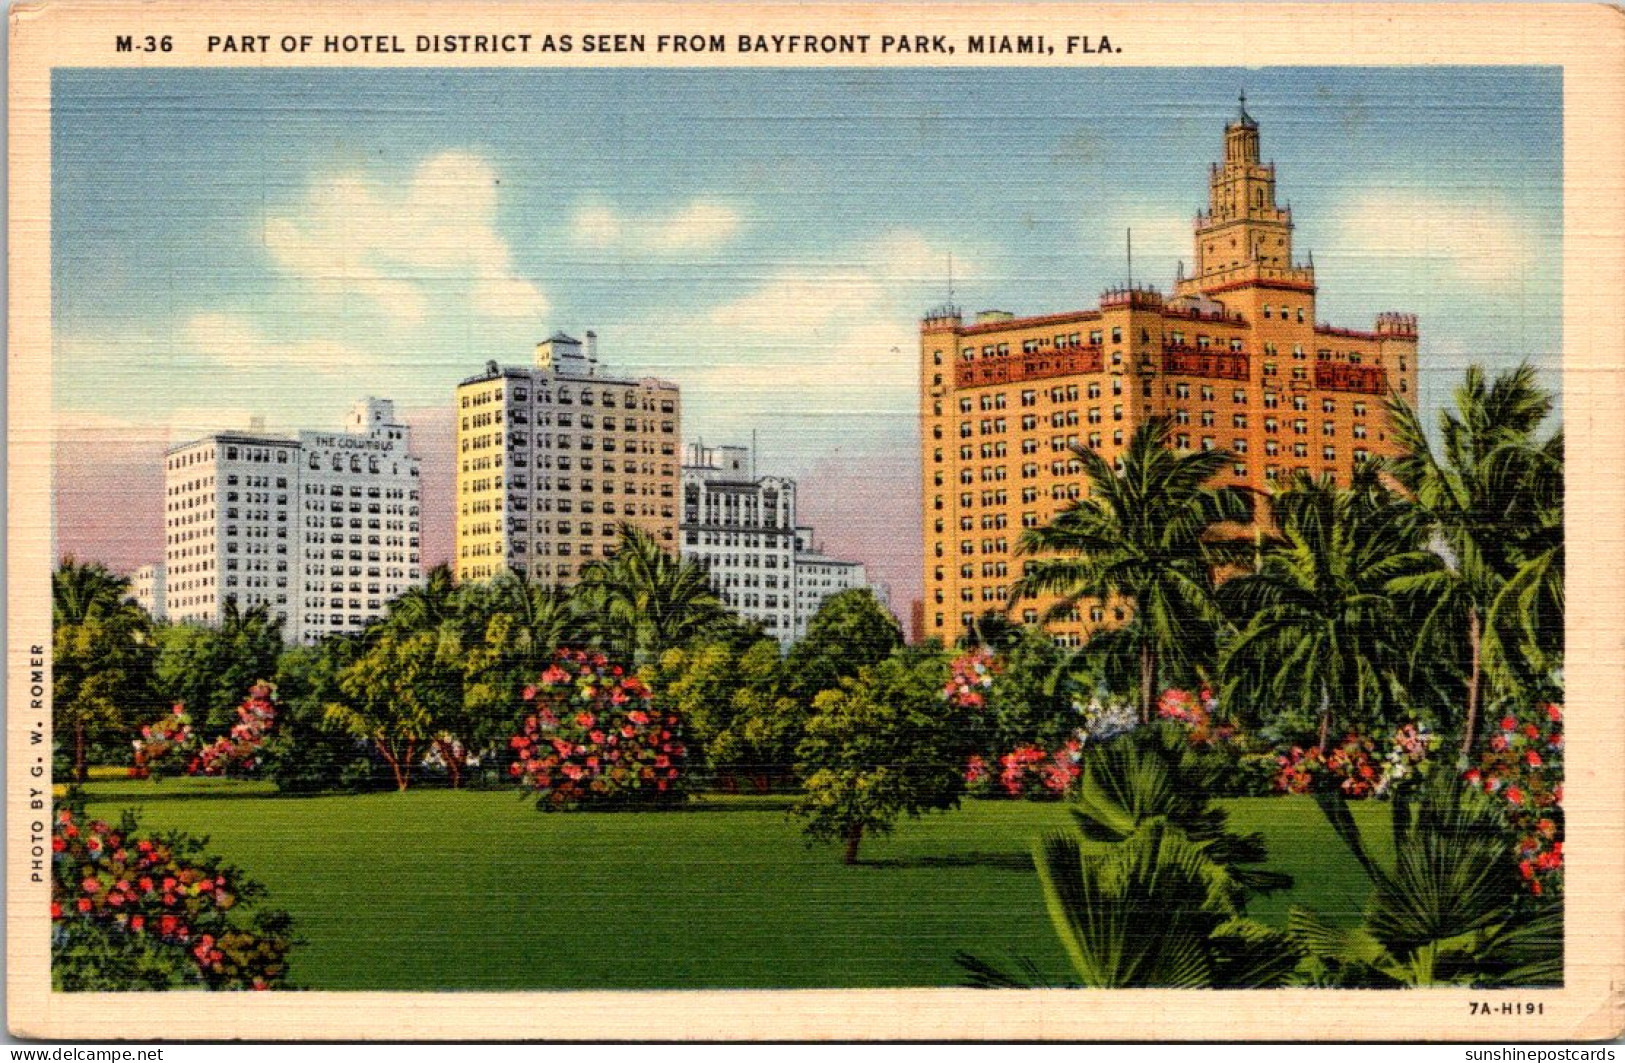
x,y
281,243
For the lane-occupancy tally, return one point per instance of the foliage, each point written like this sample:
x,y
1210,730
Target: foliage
x,y
1355,768
1149,912
1522,765
132,912
883,745
1445,911
239,751
642,601
305,755
596,739
735,710
208,668
1145,536
1322,637
399,694
1493,495
850,631
165,744
101,660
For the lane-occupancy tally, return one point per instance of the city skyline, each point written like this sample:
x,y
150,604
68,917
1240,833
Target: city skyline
x,y
294,250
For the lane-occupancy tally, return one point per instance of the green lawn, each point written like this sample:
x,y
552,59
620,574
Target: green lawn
x,y
476,890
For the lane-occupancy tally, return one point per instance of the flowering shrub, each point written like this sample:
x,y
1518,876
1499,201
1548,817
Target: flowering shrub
x,y
167,738
1104,720
596,739
971,678
1195,712
1522,764
239,750
131,912
1027,771
1355,767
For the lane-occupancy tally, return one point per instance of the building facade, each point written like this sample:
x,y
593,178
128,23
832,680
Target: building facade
x,y
1234,357
552,458
742,529
359,521
147,588
250,520
818,576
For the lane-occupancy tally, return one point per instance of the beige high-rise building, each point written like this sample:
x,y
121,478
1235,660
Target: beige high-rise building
x,y
1235,358
552,458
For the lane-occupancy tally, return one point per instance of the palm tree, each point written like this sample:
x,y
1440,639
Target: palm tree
x,y
101,655
428,605
1321,627
642,601
1442,909
1145,536
1482,496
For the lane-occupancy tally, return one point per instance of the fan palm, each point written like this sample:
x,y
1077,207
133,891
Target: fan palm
x,y
1321,629
1443,912
1144,535
1482,495
642,601
1154,911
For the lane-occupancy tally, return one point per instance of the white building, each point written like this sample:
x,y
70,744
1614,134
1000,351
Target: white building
x,y
359,519
742,530
250,519
553,458
147,588
818,576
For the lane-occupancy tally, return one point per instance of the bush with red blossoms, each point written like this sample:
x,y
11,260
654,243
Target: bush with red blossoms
x,y
971,678
164,743
240,750
133,912
1355,767
596,740
1521,765
1196,712
1027,772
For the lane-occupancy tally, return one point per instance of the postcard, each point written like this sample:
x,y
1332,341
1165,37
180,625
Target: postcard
x,y
837,521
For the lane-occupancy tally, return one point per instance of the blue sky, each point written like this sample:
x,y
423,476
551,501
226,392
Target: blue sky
x,y
238,242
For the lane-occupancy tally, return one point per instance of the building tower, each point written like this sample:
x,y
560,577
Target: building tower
x,y
1234,359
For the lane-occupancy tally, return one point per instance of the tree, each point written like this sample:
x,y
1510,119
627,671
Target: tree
x,y
642,601
735,707
1146,536
1322,632
1485,495
207,669
850,631
1444,910
884,744
101,649
510,630
399,695
307,755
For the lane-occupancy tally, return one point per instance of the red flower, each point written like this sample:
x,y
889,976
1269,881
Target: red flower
x,y
1554,713
1509,723
1515,795
1533,758
84,904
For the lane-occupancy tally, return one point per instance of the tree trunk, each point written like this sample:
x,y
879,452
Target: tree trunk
x,y
79,752
448,753
854,836
402,778
1148,680
1474,681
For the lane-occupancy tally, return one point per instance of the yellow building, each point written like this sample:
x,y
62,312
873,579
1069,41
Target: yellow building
x,y
1235,358
551,459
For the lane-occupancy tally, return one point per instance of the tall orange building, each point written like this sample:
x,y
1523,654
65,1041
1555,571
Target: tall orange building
x,y
1235,358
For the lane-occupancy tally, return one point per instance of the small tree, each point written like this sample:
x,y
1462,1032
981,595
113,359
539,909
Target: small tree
x,y
101,653
398,695
885,744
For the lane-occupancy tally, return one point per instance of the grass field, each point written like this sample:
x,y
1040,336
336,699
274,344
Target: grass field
x,y
478,891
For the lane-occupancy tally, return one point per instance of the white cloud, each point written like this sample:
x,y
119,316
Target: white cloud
x,y
237,343
700,225
1476,242
393,251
